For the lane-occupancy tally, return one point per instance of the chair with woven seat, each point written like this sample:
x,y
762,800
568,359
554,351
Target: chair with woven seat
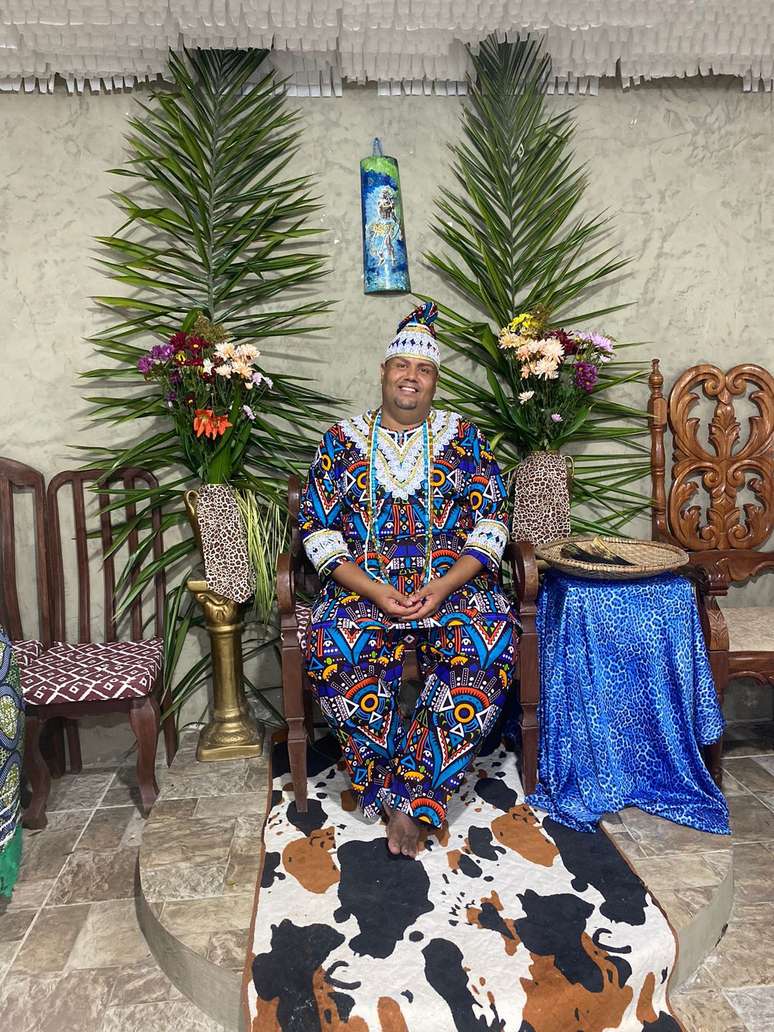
x,y
73,679
733,478
297,583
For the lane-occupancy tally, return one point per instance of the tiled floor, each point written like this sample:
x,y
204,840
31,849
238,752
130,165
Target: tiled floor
x,y
734,989
72,956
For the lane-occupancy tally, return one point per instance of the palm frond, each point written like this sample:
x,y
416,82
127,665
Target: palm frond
x,y
512,235
211,220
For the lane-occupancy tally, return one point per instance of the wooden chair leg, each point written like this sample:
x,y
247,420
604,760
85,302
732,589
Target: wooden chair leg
x,y
529,696
295,715
169,727
38,774
713,754
73,746
713,757
144,717
308,713
52,746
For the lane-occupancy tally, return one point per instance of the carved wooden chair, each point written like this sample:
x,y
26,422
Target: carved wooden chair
x,y
87,677
703,513
20,484
297,577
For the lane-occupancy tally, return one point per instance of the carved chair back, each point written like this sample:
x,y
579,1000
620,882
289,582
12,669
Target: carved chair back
x,y
17,479
702,511
121,525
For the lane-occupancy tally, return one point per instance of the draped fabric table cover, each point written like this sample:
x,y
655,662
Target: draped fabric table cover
x,y
11,744
627,699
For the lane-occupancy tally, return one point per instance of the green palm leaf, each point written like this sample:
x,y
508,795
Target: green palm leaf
x,y
512,237
211,221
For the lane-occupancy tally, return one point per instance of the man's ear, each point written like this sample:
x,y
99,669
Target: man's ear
x,y
381,372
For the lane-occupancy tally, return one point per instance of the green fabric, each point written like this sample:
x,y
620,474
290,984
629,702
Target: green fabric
x,y
11,747
10,858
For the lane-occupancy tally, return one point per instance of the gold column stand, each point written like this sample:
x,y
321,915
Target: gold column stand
x,y
232,733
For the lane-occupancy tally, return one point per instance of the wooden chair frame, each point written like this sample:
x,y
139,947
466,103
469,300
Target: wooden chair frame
x,y
17,477
725,543
296,574
144,712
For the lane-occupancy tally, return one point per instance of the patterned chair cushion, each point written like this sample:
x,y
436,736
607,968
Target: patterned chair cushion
x,y
750,629
25,651
93,671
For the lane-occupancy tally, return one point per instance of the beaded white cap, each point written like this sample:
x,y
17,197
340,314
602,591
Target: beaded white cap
x,y
416,336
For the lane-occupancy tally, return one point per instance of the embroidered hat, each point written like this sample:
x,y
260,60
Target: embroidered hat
x,y
416,336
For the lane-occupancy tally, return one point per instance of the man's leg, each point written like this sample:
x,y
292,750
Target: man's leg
x,y
355,674
467,672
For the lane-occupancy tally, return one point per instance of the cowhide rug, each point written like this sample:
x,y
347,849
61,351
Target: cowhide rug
x,y
508,922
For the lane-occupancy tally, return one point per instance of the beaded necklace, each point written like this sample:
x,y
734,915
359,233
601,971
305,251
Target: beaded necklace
x,y
373,528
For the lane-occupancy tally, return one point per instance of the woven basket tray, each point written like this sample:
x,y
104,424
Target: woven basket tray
x,y
650,558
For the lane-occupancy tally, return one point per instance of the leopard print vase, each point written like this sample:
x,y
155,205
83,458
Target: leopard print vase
x,y
541,499
223,536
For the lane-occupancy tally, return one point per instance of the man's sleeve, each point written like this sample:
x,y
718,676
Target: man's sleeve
x,y
319,517
487,498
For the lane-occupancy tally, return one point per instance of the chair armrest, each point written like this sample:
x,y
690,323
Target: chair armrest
x,y
708,576
520,556
710,582
286,584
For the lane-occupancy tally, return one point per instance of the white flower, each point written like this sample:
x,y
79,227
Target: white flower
x,y
225,349
247,352
225,370
269,383
525,396
553,349
546,368
207,365
248,412
242,368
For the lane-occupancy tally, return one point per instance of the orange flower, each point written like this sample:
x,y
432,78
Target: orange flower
x,y
207,423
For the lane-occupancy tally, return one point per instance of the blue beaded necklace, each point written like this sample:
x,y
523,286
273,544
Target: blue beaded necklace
x,y
373,528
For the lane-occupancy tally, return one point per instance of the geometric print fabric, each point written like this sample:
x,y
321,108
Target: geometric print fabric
x,y
414,766
94,671
26,651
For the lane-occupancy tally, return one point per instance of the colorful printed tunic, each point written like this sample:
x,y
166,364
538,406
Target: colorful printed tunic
x,y
353,651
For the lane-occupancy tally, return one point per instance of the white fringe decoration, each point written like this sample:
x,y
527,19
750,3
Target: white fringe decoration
x,y
409,47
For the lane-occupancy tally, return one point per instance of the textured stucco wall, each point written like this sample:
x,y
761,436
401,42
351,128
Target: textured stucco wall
x,y
685,172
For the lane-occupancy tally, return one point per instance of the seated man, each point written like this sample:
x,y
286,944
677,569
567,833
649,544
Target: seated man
x,y
404,518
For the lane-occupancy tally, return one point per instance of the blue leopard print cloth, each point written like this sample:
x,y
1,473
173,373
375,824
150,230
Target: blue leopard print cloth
x,y
626,701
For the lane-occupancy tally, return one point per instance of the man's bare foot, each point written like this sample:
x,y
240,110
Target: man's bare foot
x,y
402,835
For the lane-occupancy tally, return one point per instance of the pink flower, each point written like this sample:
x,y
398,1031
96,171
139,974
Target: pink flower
x,y
556,418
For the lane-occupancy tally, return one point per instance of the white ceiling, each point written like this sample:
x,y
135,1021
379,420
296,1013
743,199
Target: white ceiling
x,y
407,46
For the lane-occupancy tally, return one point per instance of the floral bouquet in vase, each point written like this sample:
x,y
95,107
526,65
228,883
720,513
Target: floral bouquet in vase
x,y
559,371
212,387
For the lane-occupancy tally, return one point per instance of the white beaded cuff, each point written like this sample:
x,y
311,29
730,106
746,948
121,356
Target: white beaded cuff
x,y
488,537
324,548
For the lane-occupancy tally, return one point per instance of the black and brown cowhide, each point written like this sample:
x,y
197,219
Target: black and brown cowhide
x,y
507,921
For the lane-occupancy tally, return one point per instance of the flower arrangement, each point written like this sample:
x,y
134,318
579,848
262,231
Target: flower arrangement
x,y
206,381
559,372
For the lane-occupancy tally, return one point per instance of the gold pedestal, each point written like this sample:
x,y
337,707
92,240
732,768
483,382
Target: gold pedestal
x,y
231,734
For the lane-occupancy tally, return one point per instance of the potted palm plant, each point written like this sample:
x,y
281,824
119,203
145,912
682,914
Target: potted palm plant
x,y
521,258
211,259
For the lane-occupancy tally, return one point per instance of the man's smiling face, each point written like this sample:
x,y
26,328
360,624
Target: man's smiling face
x,y
408,385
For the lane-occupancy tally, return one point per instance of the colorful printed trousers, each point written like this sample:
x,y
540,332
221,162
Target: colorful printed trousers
x,y
415,766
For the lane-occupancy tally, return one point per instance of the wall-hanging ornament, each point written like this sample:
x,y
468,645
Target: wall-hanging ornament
x,y
385,259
